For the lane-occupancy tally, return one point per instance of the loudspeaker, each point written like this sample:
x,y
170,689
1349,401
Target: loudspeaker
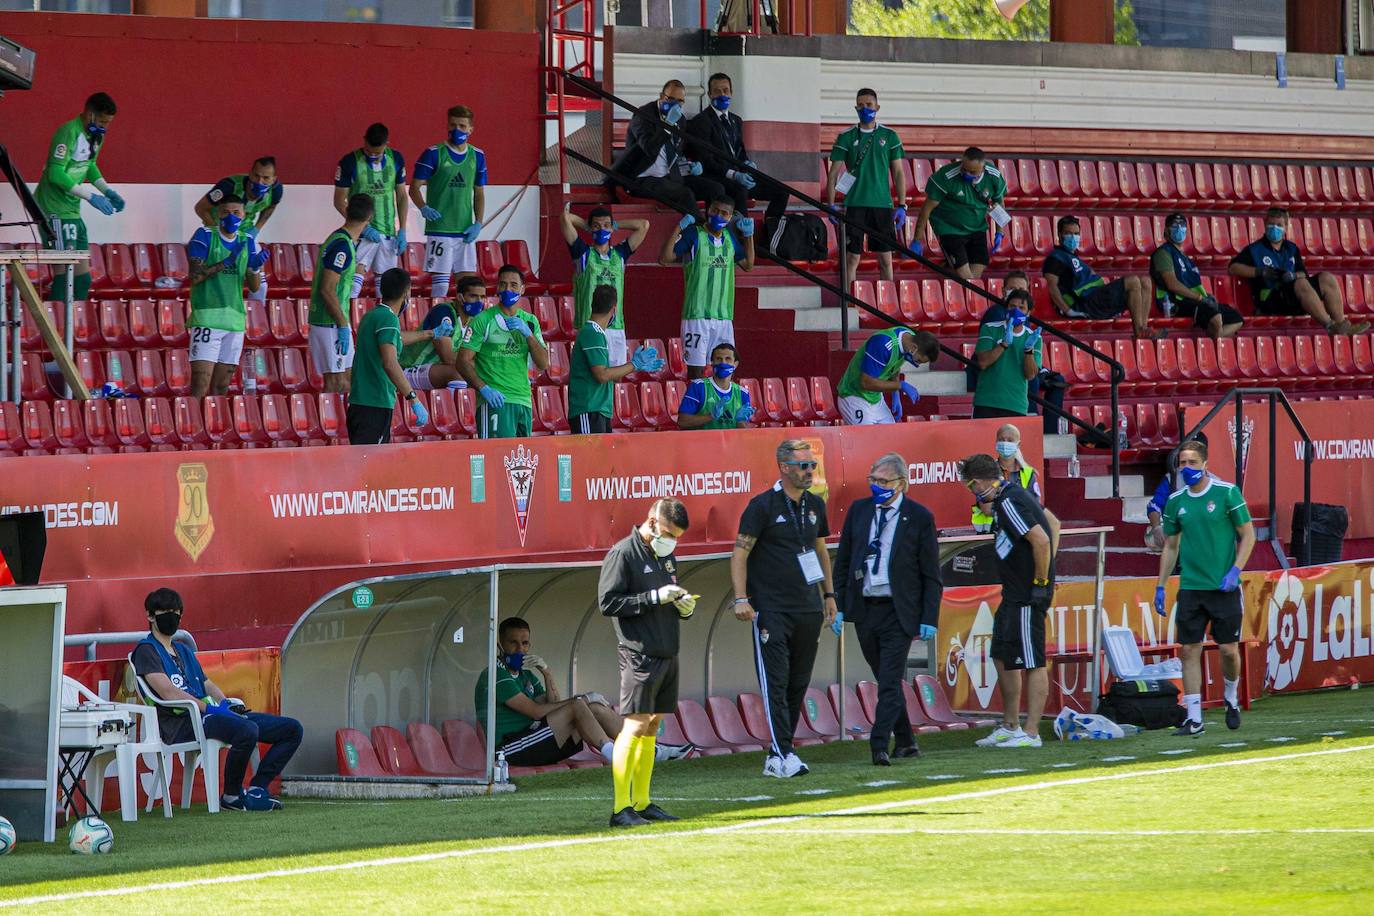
x,y
1009,8
23,541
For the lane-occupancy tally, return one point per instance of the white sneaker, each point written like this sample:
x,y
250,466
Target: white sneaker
x,y
773,766
1019,738
999,734
793,766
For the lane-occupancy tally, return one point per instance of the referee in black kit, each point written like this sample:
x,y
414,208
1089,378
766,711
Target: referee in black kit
x,y
638,589
781,565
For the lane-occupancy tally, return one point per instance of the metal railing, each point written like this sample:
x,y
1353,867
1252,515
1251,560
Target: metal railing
x,y
1275,396
1117,371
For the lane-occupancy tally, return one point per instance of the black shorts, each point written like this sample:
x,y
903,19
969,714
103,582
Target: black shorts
x,y
965,249
981,412
648,685
873,220
1198,607
590,423
1284,299
368,425
1105,301
1018,636
537,746
1202,313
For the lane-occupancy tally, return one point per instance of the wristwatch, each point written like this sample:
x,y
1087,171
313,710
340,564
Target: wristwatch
x,y
1040,582
412,396
827,594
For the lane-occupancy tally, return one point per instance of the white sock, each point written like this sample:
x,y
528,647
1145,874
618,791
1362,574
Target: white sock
x,y
357,283
1229,689
1194,703
608,750
440,282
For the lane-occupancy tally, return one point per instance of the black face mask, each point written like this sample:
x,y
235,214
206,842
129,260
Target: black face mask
x,y
167,622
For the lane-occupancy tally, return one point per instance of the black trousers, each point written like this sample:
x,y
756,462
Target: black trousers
x,y
680,191
885,645
770,192
784,653
368,425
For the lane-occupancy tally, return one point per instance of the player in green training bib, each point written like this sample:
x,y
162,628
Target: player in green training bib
x,y
377,373
594,373
449,188
709,255
433,364
1202,523
601,263
876,370
331,345
498,346
62,187
716,402
260,192
377,170
221,260
870,153
960,198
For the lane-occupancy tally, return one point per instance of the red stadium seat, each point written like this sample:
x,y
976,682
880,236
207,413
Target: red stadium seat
x,y
305,419
190,426
394,753
33,380
256,330
12,440
673,390
121,280
799,400
355,755
283,323
545,308
35,419
98,420
936,706
817,713
560,365
276,420
219,422
488,260
171,323
295,376
1070,195
1185,190
1147,425
727,724
143,323
333,418
161,425
654,407
775,406
517,253
920,724
1091,193
856,723
148,371
430,752
175,265
755,720
67,425
1028,177
865,292
248,421
114,324
129,427
177,363
444,414
550,415
697,727
627,415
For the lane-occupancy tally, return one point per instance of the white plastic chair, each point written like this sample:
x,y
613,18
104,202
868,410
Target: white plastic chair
x,y
1123,655
123,757
199,753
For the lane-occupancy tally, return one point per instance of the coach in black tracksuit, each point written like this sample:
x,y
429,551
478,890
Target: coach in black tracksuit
x,y
781,570
887,574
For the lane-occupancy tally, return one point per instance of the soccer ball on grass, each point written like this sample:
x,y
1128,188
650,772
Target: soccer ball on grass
x,y
90,836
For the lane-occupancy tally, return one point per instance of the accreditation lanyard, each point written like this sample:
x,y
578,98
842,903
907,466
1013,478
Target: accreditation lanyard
x,y
806,558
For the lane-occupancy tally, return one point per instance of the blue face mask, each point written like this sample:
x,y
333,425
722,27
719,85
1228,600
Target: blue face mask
x,y
1273,233
866,115
667,107
723,371
1007,449
457,137
373,160
601,236
911,359
1071,242
473,308
95,130
880,494
258,188
987,495
721,103
230,222
969,176
1192,476
1178,234
717,223
513,660
509,297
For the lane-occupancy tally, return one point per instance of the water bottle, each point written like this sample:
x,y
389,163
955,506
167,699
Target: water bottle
x,y
117,373
1167,306
1073,465
1122,442
1063,426
250,378
502,768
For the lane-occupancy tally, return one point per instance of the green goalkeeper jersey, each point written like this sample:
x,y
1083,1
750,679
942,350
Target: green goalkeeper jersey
x,y
71,163
503,356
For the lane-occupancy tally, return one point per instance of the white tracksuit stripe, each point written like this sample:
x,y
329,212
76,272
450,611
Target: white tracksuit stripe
x,y
763,689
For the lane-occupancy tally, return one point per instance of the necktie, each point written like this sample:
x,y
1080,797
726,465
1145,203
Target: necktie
x,y
876,548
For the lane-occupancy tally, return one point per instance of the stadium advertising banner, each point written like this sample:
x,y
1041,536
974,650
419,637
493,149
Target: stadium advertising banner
x,y
1343,463
192,513
1314,626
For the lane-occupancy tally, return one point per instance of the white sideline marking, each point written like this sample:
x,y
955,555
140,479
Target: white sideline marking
x,y
1062,766
1000,772
1280,740
814,792
673,835
943,776
1030,831
1332,734
1232,744
1116,759
749,798
879,783
1177,750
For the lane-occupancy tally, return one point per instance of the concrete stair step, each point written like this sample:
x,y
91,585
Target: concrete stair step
x,y
1101,487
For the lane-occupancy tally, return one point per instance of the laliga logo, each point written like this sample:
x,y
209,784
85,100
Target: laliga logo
x,y
520,469
973,654
1287,636
1247,432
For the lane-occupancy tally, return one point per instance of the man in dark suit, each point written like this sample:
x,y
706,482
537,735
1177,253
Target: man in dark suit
x,y
723,130
653,160
887,576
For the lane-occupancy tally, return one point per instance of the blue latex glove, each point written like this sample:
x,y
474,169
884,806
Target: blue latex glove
x,y
645,359
744,180
218,709
401,242
345,340
745,226
370,234
751,163
1030,340
495,399
1018,317
746,413
897,406
910,391
1159,601
231,256
837,625
471,232
115,200
719,410
102,203
694,168
1231,581
674,114
250,231
258,258
1007,335
997,240
430,214
517,324
899,218
445,328
687,221
926,632
919,247
417,407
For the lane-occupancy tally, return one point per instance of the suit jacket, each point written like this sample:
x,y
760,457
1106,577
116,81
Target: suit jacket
x,y
913,568
643,139
707,126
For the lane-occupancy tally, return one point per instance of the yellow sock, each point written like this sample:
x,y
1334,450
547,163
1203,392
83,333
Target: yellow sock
x,y
643,770
622,768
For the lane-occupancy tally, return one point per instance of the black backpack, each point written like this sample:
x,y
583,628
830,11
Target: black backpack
x,y
797,237
1149,704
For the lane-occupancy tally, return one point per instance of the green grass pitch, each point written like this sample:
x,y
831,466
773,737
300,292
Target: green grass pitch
x,y
1277,817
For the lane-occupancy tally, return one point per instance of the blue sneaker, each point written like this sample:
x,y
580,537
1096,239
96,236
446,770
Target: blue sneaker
x,y
257,799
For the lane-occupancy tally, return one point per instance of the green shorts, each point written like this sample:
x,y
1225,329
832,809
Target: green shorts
x,y
71,234
509,421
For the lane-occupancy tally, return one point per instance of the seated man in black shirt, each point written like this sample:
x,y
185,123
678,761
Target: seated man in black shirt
x,y
1076,291
172,672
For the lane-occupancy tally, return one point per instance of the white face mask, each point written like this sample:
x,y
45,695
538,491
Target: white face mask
x,y
662,545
